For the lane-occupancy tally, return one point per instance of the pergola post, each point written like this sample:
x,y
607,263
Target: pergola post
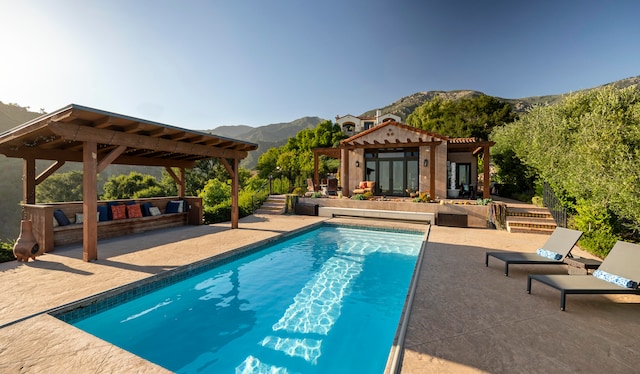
x,y
235,214
486,156
432,171
182,186
316,177
29,180
235,188
90,202
344,179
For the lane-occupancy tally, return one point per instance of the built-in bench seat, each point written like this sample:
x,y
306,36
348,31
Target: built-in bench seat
x,y
50,235
326,211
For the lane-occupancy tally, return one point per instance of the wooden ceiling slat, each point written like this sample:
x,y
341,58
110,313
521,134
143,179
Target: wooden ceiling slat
x,y
102,123
132,128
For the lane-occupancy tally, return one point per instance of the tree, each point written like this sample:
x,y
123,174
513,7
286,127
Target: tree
x,y
295,159
215,192
587,147
127,186
469,117
198,176
60,187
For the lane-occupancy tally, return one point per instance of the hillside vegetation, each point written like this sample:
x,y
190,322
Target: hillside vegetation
x,y
267,137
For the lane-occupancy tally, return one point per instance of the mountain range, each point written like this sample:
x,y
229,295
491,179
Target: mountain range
x,y
268,136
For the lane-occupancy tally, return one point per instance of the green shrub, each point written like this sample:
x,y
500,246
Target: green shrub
x,y
6,252
482,201
358,196
299,191
368,195
537,201
217,213
599,226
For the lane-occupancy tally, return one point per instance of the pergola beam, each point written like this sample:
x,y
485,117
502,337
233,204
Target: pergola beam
x,y
108,159
50,170
85,133
71,156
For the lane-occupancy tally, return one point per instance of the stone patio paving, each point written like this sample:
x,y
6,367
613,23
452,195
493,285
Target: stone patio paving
x,y
465,317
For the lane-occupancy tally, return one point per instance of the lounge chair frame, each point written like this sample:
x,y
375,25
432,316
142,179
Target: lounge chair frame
x,y
561,241
623,260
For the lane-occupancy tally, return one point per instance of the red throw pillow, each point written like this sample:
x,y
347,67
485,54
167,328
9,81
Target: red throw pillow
x,y
134,211
363,185
119,211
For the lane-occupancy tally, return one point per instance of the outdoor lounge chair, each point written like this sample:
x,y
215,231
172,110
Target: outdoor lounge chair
x,y
557,247
621,268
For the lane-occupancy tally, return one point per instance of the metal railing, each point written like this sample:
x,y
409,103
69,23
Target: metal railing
x,y
551,201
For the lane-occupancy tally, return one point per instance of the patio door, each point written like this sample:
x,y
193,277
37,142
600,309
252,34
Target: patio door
x,y
393,170
391,177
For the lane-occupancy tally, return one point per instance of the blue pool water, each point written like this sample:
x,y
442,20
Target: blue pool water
x,y
325,301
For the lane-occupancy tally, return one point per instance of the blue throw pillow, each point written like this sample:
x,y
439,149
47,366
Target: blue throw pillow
x,y
549,254
172,207
145,209
61,217
103,213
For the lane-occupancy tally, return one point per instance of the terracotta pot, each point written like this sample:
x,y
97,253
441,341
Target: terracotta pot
x,y
26,246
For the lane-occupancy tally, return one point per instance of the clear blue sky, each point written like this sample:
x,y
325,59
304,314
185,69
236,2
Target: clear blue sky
x,y
202,64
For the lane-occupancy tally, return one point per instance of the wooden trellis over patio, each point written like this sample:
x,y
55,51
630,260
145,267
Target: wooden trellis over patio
x,y
335,153
98,138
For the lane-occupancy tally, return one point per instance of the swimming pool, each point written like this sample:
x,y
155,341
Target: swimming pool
x,y
327,300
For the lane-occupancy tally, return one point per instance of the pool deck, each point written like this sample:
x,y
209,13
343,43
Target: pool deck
x,y
466,318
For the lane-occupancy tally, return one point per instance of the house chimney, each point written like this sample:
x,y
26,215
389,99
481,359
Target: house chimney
x,y
377,116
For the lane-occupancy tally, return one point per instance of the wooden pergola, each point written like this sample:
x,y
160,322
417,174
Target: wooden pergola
x,y
98,138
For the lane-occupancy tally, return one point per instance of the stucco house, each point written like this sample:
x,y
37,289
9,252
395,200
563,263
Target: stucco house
x,y
352,125
402,160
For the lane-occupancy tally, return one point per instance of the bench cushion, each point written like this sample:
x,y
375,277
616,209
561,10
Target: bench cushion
x,y
118,212
133,211
103,213
145,208
61,218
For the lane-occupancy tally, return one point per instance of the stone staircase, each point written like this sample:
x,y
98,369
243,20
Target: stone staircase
x,y
275,204
529,220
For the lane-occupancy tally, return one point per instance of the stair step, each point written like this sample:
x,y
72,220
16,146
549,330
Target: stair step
x,y
268,211
272,204
528,212
531,220
528,230
275,204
